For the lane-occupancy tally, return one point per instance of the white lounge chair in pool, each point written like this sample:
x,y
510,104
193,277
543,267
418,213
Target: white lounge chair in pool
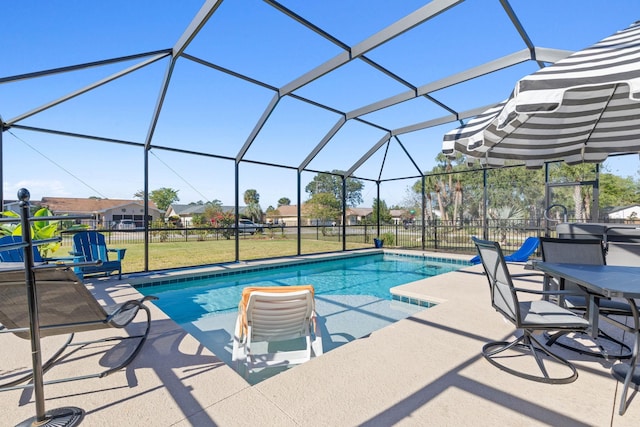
x,y
271,318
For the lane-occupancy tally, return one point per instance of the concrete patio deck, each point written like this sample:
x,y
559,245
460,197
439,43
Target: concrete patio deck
x,y
424,370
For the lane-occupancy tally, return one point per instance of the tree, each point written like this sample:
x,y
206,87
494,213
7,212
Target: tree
x,y
576,198
216,217
458,190
253,210
385,213
618,191
212,208
504,218
331,183
251,196
225,221
323,207
164,197
284,201
445,186
518,188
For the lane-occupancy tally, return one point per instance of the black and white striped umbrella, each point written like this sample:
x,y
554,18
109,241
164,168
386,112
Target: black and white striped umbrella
x,y
580,109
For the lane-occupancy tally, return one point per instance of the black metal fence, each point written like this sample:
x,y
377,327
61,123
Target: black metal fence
x,y
438,235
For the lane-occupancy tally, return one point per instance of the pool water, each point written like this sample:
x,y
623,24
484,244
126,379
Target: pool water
x,y
352,296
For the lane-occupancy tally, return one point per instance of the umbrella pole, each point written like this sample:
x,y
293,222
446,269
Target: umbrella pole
x,y
69,416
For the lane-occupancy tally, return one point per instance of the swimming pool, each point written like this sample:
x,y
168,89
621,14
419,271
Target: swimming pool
x,y
352,295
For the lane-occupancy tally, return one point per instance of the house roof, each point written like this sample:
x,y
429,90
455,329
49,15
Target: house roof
x,y
78,205
292,210
288,210
189,210
359,211
398,212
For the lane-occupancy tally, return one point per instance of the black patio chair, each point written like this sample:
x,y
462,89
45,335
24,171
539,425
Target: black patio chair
x,y
529,317
65,306
588,252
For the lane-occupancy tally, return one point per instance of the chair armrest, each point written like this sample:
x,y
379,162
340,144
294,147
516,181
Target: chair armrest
x,y
78,260
77,256
528,275
120,252
61,259
314,324
554,292
127,306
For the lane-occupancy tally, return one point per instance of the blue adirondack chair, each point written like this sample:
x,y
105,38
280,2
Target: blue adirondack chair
x,y
90,246
17,254
521,255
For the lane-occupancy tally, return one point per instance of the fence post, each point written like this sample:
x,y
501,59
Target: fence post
x,y
435,233
397,237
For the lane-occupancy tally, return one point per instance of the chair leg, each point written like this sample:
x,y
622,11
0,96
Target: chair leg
x,y
78,345
624,372
45,366
528,343
141,337
625,350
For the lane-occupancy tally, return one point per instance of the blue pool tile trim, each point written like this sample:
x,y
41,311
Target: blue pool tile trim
x,y
413,301
460,262
191,278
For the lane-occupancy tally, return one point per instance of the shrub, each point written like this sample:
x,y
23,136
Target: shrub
x,y
389,239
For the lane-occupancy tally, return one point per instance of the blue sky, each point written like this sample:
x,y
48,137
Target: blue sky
x,y
212,112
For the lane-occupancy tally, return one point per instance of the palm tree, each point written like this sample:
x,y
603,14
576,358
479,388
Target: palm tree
x,y
253,210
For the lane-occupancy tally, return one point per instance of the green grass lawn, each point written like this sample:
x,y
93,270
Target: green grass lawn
x,y
167,255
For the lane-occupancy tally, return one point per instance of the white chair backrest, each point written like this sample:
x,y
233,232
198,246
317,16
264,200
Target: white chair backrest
x,y
279,316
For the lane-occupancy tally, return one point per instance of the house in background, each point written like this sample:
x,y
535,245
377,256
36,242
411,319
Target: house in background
x,y
399,216
356,215
13,206
631,212
187,212
105,213
287,215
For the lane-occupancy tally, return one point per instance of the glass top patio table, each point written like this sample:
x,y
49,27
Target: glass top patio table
x,y
610,281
